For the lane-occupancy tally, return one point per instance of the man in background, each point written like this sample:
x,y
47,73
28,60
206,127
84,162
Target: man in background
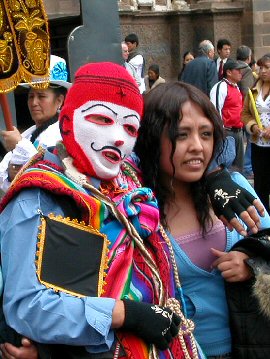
x,y
228,100
135,57
224,52
201,72
243,56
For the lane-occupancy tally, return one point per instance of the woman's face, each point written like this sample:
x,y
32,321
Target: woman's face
x,y
194,146
264,71
189,57
43,104
152,75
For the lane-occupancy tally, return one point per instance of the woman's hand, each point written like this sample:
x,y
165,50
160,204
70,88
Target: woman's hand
x,y
11,138
256,130
232,265
249,216
266,132
229,199
27,351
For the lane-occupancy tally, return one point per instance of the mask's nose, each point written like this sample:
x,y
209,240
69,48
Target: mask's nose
x,y
118,143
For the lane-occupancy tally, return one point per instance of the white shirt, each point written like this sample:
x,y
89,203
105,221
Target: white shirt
x,y
25,149
218,62
137,62
263,107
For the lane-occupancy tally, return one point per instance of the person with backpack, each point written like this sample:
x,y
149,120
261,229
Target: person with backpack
x,y
228,100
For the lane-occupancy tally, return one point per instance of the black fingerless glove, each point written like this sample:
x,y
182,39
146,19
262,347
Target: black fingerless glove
x,y
227,197
154,324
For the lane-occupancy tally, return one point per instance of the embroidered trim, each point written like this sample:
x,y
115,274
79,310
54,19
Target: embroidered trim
x,y
82,226
24,37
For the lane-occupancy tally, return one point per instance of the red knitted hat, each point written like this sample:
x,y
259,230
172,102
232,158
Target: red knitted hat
x,y
103,82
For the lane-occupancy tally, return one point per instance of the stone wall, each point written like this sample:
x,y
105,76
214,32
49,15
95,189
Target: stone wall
x,y
58,8
261,25
160,44
170,34
167,28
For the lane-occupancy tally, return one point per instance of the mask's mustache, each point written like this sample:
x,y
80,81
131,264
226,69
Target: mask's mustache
x,y
107,148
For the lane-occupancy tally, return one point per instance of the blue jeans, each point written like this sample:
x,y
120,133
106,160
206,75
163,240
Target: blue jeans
x,y
247,156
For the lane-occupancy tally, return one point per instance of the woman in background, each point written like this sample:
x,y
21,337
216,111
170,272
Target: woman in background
x,y
187,57
260,133
153,79
44,106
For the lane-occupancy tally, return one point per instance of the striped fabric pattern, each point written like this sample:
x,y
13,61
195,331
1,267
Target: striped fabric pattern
x,y
129,274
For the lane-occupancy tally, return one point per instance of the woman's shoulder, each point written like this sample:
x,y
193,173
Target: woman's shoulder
x,y
50,136
161,80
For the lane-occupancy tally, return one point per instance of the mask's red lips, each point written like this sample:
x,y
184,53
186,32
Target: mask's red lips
x,y
111,156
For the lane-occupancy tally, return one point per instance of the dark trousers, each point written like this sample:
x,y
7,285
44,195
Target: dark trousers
x,y
238,162
260,159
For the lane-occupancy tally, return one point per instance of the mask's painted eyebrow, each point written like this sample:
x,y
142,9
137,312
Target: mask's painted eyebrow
x,y
100,105
133,115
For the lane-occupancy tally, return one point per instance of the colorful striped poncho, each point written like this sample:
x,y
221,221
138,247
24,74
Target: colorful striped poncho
x,y
139,265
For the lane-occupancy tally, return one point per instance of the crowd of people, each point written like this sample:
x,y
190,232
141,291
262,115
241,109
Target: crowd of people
x,y
241,95
123,233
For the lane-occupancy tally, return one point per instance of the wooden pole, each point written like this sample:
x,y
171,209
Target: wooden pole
x,y
6,111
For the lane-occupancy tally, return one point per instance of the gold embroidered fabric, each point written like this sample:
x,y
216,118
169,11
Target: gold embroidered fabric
x,y
24,44
71,256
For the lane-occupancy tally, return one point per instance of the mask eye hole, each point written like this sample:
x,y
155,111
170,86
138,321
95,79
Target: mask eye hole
x,y
131,130
99,119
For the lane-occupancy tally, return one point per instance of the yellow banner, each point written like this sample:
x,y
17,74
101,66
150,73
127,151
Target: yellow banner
x,y
24,44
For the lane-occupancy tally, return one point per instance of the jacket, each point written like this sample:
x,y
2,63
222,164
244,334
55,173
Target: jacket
x,y
228,100
160,80
249,301
201,73
248,115
247,80
52,314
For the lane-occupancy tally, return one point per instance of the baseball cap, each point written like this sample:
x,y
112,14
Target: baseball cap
x,y
232,64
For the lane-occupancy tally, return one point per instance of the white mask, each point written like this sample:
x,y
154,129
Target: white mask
x,y
106,133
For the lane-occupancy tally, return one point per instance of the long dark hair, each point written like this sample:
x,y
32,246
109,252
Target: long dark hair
x,y
163,111
58,91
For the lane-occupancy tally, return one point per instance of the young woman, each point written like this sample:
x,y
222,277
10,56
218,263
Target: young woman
x,y
179,135
260,135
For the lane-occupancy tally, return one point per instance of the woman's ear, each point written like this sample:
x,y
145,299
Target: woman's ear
x,y
60,100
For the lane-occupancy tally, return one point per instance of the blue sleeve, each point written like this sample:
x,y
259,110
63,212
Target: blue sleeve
x,y
243,182
32,309
226,156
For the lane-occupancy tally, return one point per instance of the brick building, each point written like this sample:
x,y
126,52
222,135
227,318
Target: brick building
x,y
167,28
